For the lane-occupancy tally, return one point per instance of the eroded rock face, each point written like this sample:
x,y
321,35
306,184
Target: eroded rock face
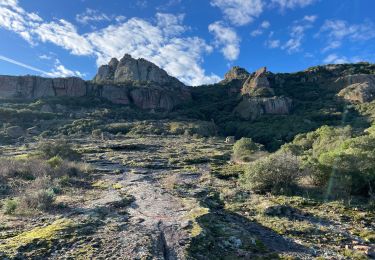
x,y
251,108
36,87
236,73
147,98
129,69
357,88
257,81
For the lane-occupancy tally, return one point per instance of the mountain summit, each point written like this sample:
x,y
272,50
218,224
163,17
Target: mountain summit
x,y
129,69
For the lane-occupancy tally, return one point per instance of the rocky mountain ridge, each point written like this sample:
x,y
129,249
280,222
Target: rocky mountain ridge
x,y
141,83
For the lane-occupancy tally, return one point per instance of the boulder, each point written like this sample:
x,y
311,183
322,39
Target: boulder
x,y
14,131
357,88
251,108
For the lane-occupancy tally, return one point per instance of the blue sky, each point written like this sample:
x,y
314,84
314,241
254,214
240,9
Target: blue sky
x,y
196,41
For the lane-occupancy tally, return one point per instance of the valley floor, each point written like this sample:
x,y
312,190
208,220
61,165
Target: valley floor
x,y
167,197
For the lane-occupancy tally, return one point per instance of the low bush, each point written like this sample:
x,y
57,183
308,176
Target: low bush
x,y
277,173
9,206
60,148
245,148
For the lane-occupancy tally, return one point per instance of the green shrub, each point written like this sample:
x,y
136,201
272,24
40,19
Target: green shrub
x,y
244,148
55,161
10,206
60,148
277,173
41,199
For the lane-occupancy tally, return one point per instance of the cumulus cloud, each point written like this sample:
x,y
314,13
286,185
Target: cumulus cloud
x,y
161,41
239,12
63,34
227,39
16,19
291,4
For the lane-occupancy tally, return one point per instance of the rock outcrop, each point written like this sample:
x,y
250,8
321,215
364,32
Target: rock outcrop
x,y
357,88
236,73
129,69
31,87
251,108
257,81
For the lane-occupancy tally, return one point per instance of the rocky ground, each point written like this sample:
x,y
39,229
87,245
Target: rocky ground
x,y
167,197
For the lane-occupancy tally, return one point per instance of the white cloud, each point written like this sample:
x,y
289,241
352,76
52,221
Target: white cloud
x,y
297,34
59,71
262,27
273,44
265,24
91,15
45,57
170,24
336,32
332,45
239,12
291,4
65,35
227,39
256,33
310,18
16,19
340,29
160,41
21,64
336,59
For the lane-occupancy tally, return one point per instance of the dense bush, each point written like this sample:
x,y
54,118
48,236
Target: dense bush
x,y
338,162
245,148
277,173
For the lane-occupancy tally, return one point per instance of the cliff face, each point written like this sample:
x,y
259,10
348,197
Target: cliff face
x,y
36,87
251,108
128,81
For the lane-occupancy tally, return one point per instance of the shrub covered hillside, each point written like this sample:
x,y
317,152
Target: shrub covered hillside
x,y
258,166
